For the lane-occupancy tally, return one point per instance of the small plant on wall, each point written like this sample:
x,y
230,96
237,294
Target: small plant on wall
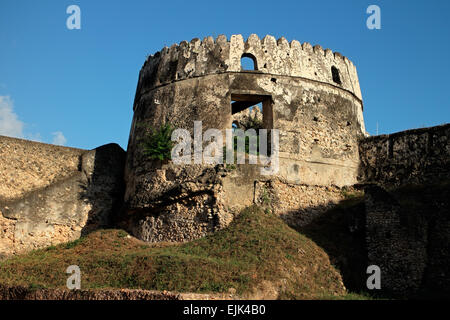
x,y
157,143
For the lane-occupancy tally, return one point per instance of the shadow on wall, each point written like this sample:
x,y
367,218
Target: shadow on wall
x,y
408,236
103,185
405,231
340,231
86,200
407,191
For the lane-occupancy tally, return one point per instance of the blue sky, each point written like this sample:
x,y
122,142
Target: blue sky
x,y
76,87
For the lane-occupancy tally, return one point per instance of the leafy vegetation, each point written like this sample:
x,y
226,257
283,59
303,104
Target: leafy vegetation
x,y
157,144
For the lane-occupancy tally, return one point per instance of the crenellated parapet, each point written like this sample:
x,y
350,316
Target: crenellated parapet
x,y
278,57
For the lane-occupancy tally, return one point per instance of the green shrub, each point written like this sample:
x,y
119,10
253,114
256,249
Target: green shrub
x,y
157,144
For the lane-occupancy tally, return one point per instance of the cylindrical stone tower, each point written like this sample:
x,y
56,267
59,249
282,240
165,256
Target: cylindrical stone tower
x,y
312,96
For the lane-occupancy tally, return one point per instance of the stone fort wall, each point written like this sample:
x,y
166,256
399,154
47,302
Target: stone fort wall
x,y
418,156
51,194
26,165
319,118
278,57
407,196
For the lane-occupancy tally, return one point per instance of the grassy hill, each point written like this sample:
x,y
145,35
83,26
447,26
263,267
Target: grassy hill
x,y
257,256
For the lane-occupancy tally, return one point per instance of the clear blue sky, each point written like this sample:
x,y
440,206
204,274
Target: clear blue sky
x,y
77,86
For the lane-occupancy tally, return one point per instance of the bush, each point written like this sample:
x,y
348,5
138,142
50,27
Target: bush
x,y
158,144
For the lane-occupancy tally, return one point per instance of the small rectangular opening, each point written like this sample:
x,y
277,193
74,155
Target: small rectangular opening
x,y
250,111
243,106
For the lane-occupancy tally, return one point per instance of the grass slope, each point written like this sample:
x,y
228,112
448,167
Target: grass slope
x,y
258,255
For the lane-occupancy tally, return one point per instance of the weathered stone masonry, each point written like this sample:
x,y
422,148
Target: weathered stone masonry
x,y
313,97
408,232
319,118
418,156
51,194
